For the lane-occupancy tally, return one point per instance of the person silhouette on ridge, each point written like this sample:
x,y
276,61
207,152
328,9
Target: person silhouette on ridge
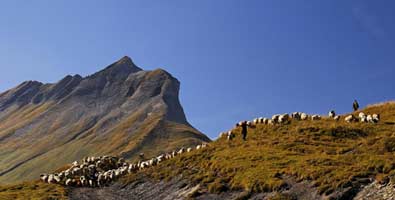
x,y
244,130
355,105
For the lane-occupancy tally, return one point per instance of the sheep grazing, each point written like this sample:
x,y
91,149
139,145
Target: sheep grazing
x,y
304,116
350,118
284,118
181,151
256,121
296,115
362,117
154,161
315,117
270,122
51,179
230,135
275,118
332,114
376,118
369,118
337,117
198,147
44,177
83,181
69,182
189,149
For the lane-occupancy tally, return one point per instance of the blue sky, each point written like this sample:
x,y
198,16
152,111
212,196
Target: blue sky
x,y
235,59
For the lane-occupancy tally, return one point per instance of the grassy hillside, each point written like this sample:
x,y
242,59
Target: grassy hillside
x,y
32,190
121,110
330,154
128,137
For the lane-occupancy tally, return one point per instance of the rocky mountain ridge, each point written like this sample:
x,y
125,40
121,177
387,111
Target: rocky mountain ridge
x,y
120,110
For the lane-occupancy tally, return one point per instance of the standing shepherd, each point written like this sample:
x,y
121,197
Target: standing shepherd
x,y
244,126
355,105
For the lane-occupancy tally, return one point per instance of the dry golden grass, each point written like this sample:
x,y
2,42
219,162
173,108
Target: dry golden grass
x,y
330,154
33,190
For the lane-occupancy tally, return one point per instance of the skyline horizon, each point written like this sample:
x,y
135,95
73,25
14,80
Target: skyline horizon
x,y
235,60
211,137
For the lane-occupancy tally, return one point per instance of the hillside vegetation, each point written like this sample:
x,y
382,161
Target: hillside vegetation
x,y
330,155
33,190
120,110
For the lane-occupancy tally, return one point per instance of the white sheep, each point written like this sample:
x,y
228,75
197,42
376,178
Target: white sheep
x,y
91,183
69,182
376,118
361,115
337,117
275,118
44,177
364,119
369,118
315,117
101,179
56,178
304,116
350,118
296,115
230,135
283,118
153,162
51,179
83,181
181,151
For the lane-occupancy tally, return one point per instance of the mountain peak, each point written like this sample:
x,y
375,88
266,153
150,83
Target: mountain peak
x,y
126,59
123,66
125,62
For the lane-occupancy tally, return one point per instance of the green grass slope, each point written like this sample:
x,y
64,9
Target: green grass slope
x,y
330,154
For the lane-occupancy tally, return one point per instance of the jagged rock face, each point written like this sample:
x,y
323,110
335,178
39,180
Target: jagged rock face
x,y
121,110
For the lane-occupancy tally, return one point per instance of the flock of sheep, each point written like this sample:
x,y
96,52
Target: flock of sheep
x,y
101,171
285,118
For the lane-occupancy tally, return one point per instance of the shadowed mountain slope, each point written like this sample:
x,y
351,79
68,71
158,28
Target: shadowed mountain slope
x,y
120,110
